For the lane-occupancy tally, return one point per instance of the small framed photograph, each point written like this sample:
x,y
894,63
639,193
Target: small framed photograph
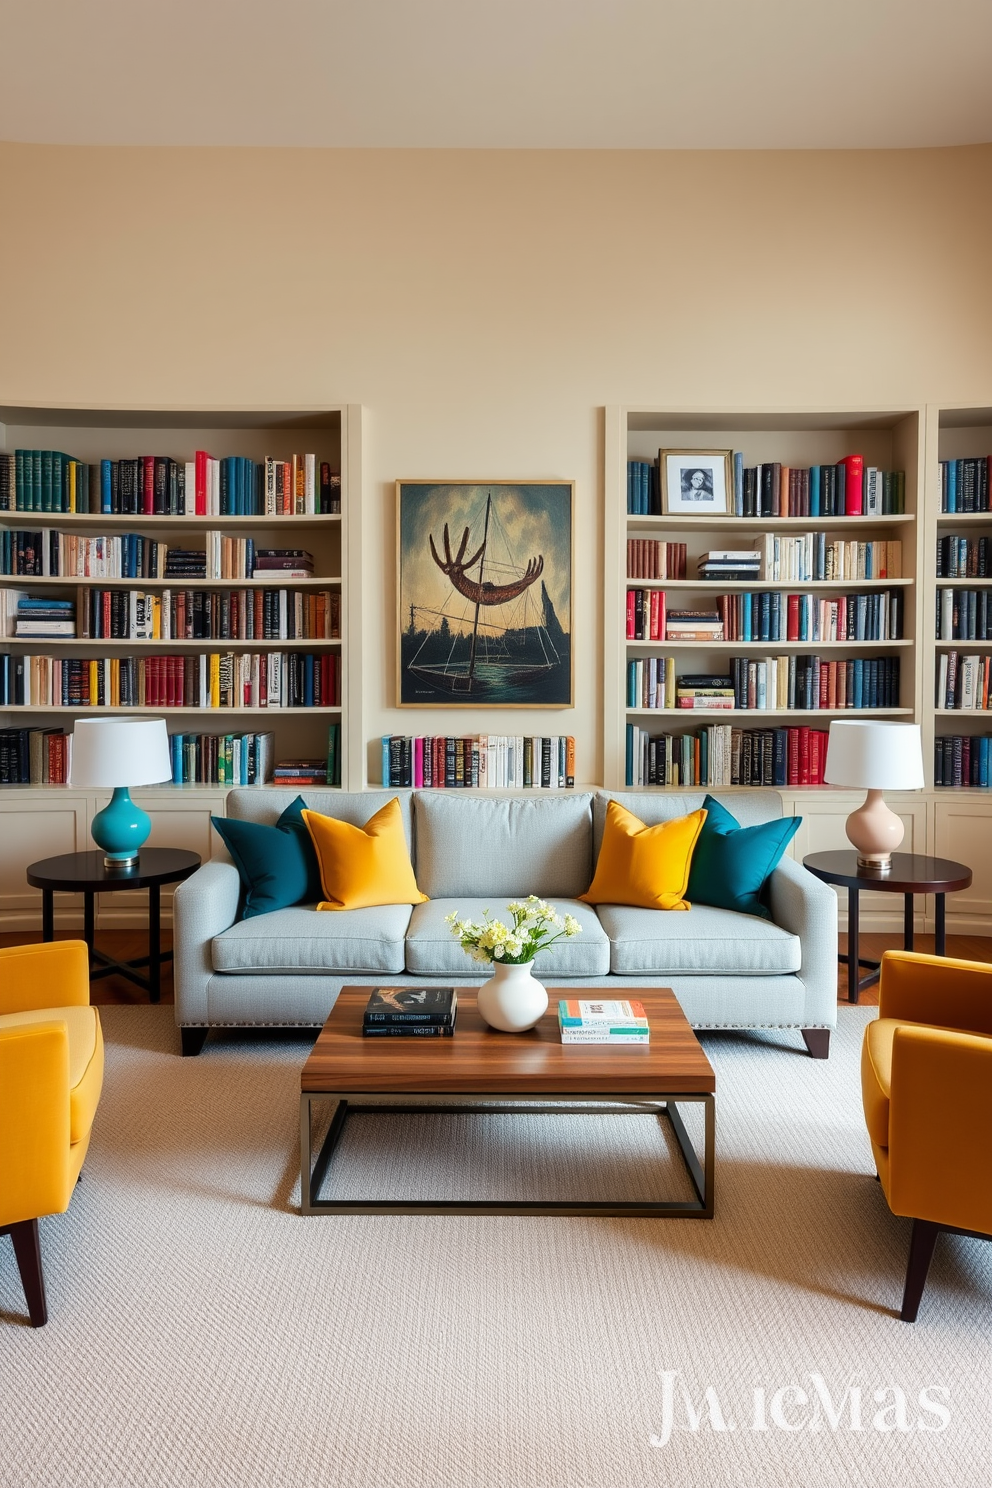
x,y
696,483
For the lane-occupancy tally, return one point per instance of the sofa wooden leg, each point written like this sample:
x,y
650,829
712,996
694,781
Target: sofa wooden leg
x,y
27,1249
921,1245
817,1041
193,1040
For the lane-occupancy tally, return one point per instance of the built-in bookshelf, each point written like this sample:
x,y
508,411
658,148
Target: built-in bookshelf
x,y
189,563
958,593
820,621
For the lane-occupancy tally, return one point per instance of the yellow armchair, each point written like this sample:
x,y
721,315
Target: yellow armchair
x,y
51,1075
926,1083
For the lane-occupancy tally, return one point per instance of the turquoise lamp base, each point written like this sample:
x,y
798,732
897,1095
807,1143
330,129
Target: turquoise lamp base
x,y
121,829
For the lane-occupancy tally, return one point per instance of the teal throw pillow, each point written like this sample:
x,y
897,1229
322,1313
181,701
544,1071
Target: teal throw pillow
x,y
278,865
731,863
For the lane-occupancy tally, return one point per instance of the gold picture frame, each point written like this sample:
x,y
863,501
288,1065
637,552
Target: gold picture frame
x,y
484,594
696,482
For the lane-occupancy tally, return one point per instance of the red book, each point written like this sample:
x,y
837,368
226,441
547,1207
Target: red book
x,y
793,768
631,602
855,467
148,486
792,618
200,464
804,751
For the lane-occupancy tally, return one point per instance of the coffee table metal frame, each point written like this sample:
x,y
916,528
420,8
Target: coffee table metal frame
x,y
313,1170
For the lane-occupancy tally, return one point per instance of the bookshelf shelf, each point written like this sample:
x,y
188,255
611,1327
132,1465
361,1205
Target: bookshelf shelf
x,y
749,586
114,521
695,717
70,581
52,645
760,524
762,648
219,714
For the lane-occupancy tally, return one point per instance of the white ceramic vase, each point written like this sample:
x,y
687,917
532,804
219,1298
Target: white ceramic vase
x,y
512,1000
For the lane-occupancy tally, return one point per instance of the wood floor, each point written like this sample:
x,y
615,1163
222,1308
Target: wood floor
x,y
126,945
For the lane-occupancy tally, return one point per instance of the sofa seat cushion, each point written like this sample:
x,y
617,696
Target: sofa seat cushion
x,y
85,1057
432,950
301,940
704,942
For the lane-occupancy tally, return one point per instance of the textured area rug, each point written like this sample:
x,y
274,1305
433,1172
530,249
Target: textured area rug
x,y
202,1332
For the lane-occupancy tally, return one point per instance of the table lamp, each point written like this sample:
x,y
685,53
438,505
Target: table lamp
x,y
875,757
120,752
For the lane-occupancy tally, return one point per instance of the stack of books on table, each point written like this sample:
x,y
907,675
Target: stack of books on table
x,y
410,1012
693,625
603,1023
705,691
730,564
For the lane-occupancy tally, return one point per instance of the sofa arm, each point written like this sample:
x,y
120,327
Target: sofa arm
x,y
203,906
807,907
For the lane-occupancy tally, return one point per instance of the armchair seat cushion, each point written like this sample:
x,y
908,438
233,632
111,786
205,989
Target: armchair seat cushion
x,y
432,950
85,1058
705,942
289,942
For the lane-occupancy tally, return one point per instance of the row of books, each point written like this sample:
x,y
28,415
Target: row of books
x,y
484,761
271,679
808,558
158,486
964,485
131,555
848,489
964,557
772,683
175,615
650,558
34,756
963,681
247,759
768,615
964,615
962,760
721,755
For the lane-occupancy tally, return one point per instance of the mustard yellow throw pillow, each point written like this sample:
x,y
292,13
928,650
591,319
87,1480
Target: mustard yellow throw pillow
x,y
647,867
364,866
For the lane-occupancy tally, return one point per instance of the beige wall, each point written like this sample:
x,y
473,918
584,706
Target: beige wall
x,y
484,306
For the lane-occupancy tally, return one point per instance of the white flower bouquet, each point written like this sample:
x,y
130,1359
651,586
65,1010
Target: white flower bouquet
x,y
535,927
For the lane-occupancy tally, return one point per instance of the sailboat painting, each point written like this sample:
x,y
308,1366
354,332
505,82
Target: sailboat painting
x,y
485,594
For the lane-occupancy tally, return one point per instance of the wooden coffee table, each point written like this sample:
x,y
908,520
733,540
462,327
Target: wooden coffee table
x,y
534,1072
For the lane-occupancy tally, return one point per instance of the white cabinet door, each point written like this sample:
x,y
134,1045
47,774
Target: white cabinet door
x,y
36,824
963,832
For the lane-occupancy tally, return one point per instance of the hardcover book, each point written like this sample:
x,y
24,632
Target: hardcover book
x,y
410,1008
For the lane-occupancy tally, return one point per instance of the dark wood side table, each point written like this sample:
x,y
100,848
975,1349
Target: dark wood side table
x,y
911,874
84,873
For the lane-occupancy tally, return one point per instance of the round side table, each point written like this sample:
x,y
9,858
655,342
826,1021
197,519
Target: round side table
x,y
84,873
911,874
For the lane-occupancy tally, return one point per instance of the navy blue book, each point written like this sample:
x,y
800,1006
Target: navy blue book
x,y
410,1009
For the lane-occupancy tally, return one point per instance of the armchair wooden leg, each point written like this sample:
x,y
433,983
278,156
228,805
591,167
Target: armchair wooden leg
x,y
817,1041
921,1246
27,1249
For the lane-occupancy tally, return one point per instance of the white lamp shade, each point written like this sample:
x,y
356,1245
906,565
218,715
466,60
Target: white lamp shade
x,y
120,751
874,755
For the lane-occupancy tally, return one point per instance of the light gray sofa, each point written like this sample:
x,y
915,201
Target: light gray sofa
x,y
473,852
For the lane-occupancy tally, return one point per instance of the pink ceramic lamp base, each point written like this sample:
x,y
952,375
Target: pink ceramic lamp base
x,y
876,832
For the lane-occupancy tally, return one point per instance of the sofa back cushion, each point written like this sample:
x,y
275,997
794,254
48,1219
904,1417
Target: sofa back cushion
x,y
503,847
351,806
749,807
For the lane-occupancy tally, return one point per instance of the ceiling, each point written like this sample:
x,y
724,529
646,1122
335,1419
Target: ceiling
x,y
600,74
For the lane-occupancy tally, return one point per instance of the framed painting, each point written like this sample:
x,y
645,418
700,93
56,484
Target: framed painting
x,y
485,593
696,483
